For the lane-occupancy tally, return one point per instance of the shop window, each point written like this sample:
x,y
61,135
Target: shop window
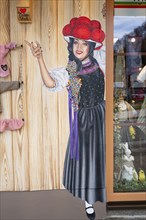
x,y
129,97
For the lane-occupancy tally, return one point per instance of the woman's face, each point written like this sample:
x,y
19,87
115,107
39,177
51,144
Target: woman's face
x,y
80,49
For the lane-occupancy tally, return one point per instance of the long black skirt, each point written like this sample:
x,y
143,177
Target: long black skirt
x,y
85,177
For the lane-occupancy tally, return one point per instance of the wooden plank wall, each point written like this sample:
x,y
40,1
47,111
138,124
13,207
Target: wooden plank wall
x,y
32,158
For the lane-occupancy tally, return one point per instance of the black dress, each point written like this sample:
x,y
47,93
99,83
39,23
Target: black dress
x,y
85,177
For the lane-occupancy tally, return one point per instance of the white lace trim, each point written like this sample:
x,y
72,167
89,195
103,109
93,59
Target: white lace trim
x,y
61,77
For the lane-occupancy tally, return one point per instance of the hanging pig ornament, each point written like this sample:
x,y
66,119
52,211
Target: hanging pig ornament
x,y
4,49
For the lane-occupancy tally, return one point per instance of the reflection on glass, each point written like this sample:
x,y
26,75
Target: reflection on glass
x,y
129,103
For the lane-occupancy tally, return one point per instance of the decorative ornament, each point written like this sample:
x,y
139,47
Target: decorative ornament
x,y
20,101
74,84
132,132
4,67
24,11
79,7
104,10
15,124
4,50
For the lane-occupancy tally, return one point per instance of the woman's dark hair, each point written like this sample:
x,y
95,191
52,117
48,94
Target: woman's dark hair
x,y
73,57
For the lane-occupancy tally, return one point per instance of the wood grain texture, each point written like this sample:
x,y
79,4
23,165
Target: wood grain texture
x,y
32,158
6,151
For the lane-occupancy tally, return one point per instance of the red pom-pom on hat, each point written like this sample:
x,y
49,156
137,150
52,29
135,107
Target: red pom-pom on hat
x,y
81,31
67,30
97,35
95,24
73,21
83,20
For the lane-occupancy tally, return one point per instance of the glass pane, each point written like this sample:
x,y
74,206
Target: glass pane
x,y
129,98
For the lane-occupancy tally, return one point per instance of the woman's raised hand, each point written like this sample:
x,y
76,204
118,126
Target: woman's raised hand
x,y
35,49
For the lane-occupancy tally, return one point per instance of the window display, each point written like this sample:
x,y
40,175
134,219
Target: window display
x,y
130,100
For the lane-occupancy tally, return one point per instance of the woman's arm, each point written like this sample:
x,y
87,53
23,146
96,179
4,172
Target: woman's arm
x,y
37,52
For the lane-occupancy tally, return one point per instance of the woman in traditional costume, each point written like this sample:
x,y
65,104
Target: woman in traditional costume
x,y
84,166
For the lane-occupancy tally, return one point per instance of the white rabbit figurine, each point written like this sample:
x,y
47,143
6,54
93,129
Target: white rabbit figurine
x,y
128,171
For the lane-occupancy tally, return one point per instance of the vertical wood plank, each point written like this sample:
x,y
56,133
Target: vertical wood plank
x,y
81,8
33,157
50,99
65,14
6,148
34,104
20,137
95,11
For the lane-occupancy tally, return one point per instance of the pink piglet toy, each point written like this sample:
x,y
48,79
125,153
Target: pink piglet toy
x,y
4,49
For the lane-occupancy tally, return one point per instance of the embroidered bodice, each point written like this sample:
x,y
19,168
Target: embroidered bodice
x,y
92,90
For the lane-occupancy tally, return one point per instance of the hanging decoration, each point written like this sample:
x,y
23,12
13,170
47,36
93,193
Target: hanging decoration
x,y
4,49
79,7
24,11
103,11
20,103
8,86
13,124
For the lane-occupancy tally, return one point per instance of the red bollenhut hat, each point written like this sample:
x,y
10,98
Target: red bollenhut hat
x,y
85,29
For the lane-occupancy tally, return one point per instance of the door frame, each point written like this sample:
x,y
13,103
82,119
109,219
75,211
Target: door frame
x,y
111,195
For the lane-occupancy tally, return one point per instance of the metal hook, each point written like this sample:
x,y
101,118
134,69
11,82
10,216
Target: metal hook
x,y
19,45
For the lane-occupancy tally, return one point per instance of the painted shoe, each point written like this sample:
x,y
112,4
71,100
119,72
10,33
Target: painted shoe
x,y
91,216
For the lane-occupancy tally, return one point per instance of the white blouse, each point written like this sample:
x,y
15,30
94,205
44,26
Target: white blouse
x,y
61,77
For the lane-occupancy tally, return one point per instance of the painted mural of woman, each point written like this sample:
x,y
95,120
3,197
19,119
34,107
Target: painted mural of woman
x,y
84,166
